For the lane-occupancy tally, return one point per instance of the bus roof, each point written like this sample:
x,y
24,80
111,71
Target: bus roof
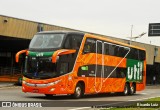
x,y
60,31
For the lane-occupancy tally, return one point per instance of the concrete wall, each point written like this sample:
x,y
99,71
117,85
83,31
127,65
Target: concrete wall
x,y
157,58
19,28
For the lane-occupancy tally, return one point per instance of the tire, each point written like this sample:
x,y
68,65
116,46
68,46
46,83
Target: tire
x,y
132,89
126,90
135,88
78,92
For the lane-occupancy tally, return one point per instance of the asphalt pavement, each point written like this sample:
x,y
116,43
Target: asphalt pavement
x,y
15,94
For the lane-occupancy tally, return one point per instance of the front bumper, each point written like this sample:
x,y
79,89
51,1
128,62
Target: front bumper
x,y
44,89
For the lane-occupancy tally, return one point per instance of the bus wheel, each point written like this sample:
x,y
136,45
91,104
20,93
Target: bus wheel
x,y
78,91
49,95
126,89
132,89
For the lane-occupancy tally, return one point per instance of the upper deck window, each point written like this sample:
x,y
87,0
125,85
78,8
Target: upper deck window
x,y
73,41
47,41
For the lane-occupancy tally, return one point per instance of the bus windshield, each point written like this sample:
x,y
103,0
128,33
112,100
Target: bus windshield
x,y
47,41
41,68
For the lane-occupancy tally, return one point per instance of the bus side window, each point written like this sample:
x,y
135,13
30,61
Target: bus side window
x,y
123,51
131,54
99,47
73,42
117,51
76,41
111,49
142,55
106,49
120,73
136,54
64,68
138,51
89,46
67,44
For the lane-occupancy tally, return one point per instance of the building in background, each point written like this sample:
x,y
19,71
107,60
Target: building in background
x,y
15,35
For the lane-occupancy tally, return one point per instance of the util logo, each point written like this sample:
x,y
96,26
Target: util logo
x,y
39,54
135,72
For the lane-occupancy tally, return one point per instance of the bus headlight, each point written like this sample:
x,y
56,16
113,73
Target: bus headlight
x,y
53,83
23,82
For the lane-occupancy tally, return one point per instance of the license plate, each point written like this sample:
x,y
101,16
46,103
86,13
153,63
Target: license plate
x,y
35,90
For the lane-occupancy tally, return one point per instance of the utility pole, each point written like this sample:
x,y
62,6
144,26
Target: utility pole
x,y
139,36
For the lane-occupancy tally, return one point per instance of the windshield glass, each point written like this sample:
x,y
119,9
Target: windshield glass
x,y
47,41
41,68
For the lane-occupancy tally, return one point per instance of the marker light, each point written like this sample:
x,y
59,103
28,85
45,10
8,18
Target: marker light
x,y
52,89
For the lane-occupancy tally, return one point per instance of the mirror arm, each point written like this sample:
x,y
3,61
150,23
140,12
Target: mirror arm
x,y
61,52
19,53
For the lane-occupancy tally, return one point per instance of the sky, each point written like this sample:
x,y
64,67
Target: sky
x,y
108,17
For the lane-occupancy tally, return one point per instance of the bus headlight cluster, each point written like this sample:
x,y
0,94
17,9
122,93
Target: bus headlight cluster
x,y
53,83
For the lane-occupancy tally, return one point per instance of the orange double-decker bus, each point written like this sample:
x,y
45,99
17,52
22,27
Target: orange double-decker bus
x,y
76,64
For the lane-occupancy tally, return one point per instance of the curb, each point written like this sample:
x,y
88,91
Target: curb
x,y
7,85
